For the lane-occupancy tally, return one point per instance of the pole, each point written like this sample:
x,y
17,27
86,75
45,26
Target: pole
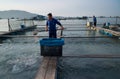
x,y
61,34
116,20
33,22
24,22
87,20
9,27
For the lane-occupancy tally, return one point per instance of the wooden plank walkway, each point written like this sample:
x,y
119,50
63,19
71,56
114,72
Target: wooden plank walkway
x,y
115,33
2,32
47,68
17,30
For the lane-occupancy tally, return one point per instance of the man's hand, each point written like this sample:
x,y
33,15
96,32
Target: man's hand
x,y
46,29
62,28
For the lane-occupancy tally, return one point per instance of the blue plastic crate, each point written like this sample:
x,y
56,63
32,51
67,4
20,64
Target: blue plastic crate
x,y
51,47
51,42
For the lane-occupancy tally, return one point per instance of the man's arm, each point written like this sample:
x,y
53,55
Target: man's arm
x,y
46,28
62,28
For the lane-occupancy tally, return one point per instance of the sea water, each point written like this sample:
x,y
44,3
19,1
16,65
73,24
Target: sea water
x,y
20,57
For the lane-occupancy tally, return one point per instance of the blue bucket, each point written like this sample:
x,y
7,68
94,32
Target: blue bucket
x,y
51,42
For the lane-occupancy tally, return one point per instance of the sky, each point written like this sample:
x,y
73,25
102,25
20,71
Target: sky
x,y
65,7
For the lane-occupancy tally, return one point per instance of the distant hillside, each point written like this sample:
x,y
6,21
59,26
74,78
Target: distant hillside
x,y
17,14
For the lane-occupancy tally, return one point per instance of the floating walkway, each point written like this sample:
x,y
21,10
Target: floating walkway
x,y
47,68
109,32
13,32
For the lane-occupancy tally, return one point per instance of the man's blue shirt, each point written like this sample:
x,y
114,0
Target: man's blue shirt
x,y
95,19
52,24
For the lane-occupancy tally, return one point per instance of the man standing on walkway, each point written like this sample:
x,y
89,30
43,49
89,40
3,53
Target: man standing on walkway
x,y
95,21
51,26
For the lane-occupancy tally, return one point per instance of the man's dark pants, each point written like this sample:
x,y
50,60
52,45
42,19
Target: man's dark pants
x,y
95,23
52,34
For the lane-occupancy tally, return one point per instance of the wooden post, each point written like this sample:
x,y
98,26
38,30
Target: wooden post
x,y
9,27
24,22
116,19
61,33
33,22
87,20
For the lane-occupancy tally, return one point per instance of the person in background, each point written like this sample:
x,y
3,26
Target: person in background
x,y
51,26
94,21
